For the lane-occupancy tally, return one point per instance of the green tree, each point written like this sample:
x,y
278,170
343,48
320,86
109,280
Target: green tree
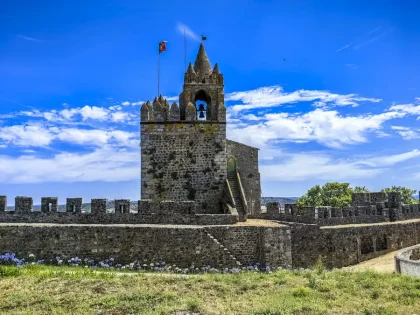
x,y
406,193
360,189
331,194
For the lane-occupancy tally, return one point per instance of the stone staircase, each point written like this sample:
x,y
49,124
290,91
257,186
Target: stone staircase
x,y
234,187
224,249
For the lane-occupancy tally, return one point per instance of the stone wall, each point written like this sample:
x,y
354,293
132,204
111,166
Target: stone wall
x,y
184,161
117,218
342,246
178,245
247,165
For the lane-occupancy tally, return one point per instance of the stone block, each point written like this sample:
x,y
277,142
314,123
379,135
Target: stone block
x,y
3,203
144,206
23,204
122,205
98,206
74,205
46,202
336,212
273,208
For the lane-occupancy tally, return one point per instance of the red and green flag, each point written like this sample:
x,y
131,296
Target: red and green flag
x,y
162,46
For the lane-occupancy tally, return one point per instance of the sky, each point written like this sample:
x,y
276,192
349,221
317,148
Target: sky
x,y
328,90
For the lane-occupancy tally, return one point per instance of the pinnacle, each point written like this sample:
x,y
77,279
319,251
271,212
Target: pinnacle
x,y
190,69
216,69
202,63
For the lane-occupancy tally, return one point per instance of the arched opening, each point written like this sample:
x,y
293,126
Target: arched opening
x,y
202,105
231,166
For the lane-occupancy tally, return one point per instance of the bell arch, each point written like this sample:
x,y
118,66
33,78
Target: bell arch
x,y
202,102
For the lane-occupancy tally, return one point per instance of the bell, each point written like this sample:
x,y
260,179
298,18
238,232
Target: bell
x,y
201,107
201,114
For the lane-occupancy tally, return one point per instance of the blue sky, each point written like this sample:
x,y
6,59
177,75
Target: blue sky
x,y
343,106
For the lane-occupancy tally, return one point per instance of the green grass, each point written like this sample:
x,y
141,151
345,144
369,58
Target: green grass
x,y
66,290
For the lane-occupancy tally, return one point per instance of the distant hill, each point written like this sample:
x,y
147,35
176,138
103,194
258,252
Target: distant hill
x,y
280,200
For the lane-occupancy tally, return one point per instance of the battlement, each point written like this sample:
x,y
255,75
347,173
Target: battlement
x,y
160,111
145,212
365,208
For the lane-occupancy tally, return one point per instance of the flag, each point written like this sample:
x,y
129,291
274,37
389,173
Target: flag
x,y
203,37
162,46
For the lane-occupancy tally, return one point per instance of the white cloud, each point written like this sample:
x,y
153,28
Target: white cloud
x,y
391,159
274,96
315,166
318,166
409,109
94,112
26,135
106,164
119,116
41,136
326,127
406,133
188,32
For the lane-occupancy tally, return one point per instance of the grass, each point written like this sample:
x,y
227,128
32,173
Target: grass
x,y
41,289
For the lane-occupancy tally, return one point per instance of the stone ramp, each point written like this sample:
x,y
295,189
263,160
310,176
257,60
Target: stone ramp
x,y
226,251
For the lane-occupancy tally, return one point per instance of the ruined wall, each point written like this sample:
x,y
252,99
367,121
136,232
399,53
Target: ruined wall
x,y
182,246
342,246
184,161
247,164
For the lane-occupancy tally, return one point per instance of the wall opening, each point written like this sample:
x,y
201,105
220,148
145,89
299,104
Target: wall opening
x,y
381,243
366,245
49,207
231,166
202,105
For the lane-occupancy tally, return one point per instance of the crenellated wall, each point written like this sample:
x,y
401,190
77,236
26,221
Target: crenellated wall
x,y
148,212
366,208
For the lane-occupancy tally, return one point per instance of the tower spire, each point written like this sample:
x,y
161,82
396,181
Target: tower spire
x,y
202,63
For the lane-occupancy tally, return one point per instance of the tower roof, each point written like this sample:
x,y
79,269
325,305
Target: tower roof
x,y
202,63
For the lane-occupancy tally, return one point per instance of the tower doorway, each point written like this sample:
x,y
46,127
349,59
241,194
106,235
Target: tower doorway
x,y
231,166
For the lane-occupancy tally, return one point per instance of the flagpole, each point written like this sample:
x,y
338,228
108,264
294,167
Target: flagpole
x,y
158,74
185,52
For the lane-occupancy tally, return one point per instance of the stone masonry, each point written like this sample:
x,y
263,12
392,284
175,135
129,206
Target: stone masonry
x,y
3,203
46,202
122,205
23,204
74,205
98,206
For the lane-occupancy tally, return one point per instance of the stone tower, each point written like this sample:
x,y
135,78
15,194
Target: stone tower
x,y
183,157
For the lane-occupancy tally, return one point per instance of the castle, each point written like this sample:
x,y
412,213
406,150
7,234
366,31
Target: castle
x,y
200,203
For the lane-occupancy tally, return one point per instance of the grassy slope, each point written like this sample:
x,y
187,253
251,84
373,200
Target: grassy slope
x,y
54,290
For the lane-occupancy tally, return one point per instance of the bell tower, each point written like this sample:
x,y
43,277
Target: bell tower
x,y
203,87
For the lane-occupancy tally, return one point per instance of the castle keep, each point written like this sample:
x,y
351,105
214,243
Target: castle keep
x,y
185,155
197,190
